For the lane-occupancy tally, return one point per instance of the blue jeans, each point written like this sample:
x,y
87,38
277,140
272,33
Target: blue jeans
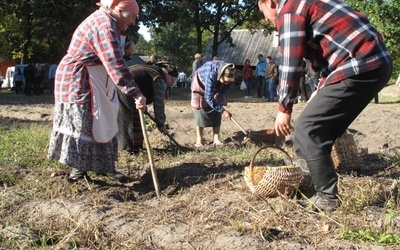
x,y
248,85
313,82
270,85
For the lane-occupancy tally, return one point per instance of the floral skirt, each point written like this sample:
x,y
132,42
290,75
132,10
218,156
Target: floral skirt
x,y
72,143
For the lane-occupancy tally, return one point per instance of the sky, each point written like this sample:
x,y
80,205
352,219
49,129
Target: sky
x,y
144,32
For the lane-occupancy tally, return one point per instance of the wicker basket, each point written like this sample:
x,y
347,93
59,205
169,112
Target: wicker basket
x,y
345,153
271,181
267,137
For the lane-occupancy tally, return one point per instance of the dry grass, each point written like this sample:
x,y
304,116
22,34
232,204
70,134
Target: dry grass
x,y
205,205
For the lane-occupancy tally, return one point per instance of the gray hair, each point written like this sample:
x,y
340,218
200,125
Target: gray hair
x,y
125,14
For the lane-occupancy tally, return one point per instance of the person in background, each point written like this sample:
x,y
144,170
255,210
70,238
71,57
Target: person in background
x,y
313,77
29,74
152,60
209,86
1,81
182,78
86,103
52,75
303,95
260,73
270,76
37,79
354,68
196,63
215,58
130,48
18,80
152,81
164,60
247,76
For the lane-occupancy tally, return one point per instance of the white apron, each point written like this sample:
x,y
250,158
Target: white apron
x,y
104,104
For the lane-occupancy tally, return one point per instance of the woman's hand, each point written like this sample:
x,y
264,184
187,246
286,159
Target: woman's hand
x,y
282,124
227,114
141,103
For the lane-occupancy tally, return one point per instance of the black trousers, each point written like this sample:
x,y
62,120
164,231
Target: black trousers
x,y
333,109
260,86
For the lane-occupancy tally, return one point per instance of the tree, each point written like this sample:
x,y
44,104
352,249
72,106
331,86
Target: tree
x,y
178,42
217,17
40,30
384,15
142,46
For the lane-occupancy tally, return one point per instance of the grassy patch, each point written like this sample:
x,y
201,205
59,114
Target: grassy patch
x,y
367,235
26,147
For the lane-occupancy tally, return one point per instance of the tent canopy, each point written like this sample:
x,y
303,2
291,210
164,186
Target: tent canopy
x,y
4,64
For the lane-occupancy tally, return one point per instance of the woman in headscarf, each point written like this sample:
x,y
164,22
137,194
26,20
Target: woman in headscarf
x,y
209,86
86,103
153,81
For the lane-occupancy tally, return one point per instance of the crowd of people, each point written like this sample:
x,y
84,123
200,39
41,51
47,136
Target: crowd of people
x,y
97,96
32,78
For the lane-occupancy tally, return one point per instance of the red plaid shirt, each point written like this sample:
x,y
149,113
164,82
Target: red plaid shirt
x,y
336,39
96,41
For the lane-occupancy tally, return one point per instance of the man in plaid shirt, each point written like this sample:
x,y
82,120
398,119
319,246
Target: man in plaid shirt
x,y
355,65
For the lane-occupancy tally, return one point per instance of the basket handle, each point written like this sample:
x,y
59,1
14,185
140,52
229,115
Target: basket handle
x,y
269,146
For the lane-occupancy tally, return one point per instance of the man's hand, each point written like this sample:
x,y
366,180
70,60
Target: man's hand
x,y
282,124
141,103
227,114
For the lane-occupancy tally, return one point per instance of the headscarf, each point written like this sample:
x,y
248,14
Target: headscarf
x,y
171,69
226,70
122,5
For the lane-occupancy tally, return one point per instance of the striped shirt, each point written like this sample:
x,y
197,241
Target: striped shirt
x,y
95,42
336,39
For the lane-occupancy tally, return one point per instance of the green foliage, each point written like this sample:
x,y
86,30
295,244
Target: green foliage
x,y
367,235
178,42
385,17
218,18
26,147
39,31
8,179
143,47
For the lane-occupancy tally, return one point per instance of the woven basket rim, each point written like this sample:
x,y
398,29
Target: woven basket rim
x,y
270,146
270,181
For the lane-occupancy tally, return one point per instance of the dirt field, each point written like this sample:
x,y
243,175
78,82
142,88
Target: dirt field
x,y
205,203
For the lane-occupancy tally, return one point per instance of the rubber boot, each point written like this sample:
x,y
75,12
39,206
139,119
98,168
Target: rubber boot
x,y
77,175
325,179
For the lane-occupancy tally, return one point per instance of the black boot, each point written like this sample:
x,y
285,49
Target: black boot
x,y
77,175
325,179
